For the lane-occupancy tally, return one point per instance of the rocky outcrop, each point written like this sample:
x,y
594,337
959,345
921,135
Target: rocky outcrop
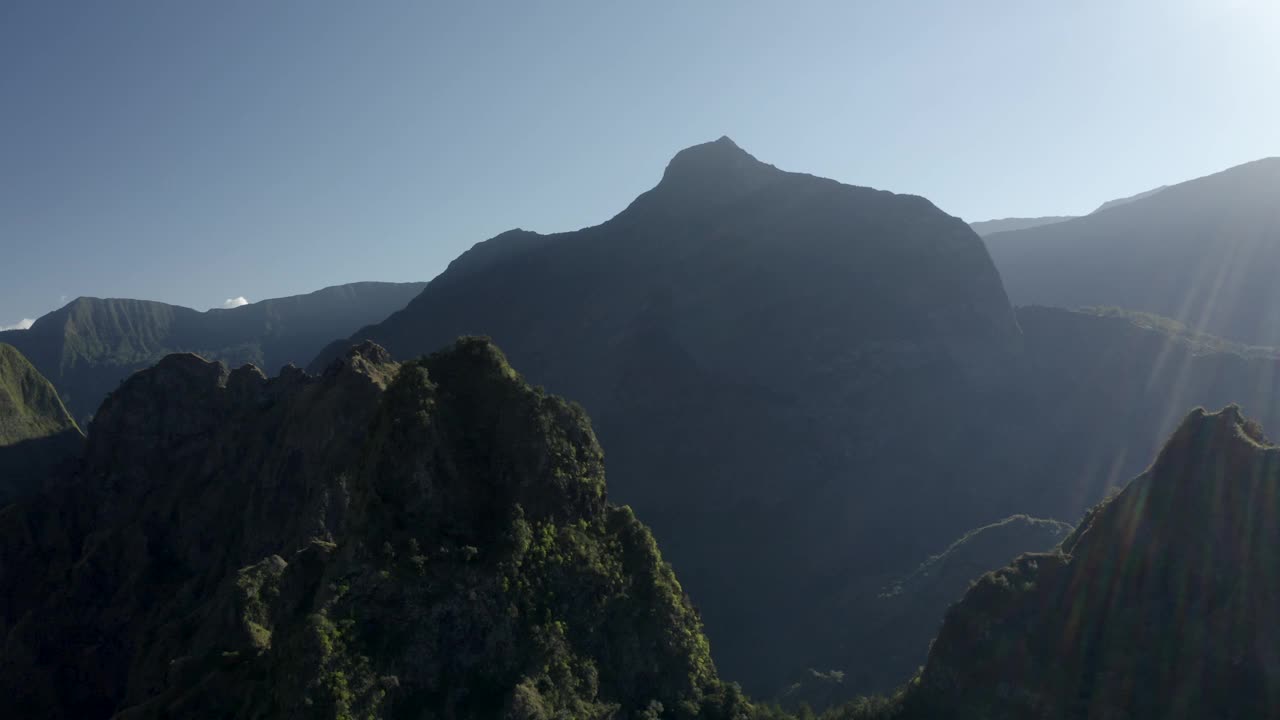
x,y
891,624
1159,605
429,539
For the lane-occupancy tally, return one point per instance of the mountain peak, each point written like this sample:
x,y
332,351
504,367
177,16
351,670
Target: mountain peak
x,y
718,161
1186,551
704,177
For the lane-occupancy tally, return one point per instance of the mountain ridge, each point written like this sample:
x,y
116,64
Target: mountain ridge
x,y
1194,251
682,314
39,439
87,346
1167,585
391,537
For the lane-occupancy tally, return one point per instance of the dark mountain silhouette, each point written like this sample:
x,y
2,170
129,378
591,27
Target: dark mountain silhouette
x,y
988,227
1159,605
37,435
781,367
762,352
430,539
1104,390
1200,252
88,346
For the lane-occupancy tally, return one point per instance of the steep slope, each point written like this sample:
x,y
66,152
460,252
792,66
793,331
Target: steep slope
x,y
87,347
1199,252
37,436
762,351
989,227
1108,386
1160,605
29,406
888,637
913,607
418,541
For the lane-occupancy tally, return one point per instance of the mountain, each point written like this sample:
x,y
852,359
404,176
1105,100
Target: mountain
x,y
762,352
1124,201
29,406
890,639
806,387
1108,386
88,346
988,227
1103,390
1159,605
430,539
37,436
1199,252
913,606
991,227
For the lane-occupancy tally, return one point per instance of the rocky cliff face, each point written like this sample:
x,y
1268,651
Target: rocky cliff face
x,y
1159,605
38,439
429,539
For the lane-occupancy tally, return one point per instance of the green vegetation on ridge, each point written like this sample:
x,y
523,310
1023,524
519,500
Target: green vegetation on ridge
x,y
38,438
29,406
425,540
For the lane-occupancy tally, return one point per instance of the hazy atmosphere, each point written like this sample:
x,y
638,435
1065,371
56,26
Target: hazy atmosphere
x,y
599,361
194,154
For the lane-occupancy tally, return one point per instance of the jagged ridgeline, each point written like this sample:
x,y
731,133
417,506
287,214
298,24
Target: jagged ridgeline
x,y
87,347
1161,604
420,540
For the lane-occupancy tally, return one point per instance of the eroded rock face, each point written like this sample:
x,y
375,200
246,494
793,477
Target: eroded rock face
x,y
421,540
1160,605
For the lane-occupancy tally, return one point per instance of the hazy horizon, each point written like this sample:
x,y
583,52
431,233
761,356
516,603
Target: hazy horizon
x,y
202,155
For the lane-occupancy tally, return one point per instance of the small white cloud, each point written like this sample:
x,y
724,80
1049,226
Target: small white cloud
x,y
23,324
235,302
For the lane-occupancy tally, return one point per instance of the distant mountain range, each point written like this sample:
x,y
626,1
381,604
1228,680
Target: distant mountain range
x,y
88,346
761,351
991,227
987,227
1200,252
1126,200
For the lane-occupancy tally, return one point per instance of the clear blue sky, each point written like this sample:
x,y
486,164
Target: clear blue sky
x,y
192,152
